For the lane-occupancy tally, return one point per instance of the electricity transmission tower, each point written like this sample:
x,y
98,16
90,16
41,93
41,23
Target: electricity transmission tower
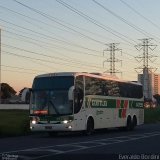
x,y
146,46
112,48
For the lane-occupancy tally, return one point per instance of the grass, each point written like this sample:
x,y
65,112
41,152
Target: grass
x,y
152,115
14,122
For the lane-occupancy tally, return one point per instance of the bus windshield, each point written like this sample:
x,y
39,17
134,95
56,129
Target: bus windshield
x,y
50,96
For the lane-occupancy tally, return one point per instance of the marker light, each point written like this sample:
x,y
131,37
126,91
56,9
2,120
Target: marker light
x,y
69,127
40,112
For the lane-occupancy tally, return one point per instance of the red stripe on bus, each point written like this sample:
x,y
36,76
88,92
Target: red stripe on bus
x,y
126,104
118,105
124,113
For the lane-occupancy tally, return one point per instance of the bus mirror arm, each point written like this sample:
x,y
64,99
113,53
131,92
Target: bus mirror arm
x,y
71,93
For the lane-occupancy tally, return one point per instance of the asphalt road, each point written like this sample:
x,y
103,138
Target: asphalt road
x,y
142,143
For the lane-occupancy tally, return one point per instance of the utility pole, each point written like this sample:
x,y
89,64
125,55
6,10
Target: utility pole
x,y
0,69
112,48
146,45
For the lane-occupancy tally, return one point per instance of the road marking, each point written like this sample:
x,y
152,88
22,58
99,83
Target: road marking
x,y
49,150
141,137
67,148
106,139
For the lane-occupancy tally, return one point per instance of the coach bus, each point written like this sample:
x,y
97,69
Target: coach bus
x,y
73,101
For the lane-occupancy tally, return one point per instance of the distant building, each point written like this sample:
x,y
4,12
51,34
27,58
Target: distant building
x,y
156,84
25,95
150,82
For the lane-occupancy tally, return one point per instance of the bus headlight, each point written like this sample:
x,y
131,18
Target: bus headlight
x,y
33,122
65,121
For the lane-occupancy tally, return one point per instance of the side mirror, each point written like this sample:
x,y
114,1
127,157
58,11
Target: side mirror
x,y
70,93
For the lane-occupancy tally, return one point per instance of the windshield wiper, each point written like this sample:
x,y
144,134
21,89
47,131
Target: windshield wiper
x,y
54,107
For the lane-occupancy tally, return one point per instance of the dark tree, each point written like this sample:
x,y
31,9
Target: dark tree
x,y
6,91
157,97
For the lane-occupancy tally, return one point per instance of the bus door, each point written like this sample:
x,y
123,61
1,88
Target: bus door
x,y
79,110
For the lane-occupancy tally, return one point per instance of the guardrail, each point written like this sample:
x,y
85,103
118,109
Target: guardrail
x,y
14,106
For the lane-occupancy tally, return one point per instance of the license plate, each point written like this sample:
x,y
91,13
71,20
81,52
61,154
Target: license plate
x,y
48,127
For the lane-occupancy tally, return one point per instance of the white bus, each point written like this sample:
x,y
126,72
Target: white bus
x,y
72,101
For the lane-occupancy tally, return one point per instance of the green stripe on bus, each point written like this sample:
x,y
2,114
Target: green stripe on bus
x,y
110,103
120,113
122,103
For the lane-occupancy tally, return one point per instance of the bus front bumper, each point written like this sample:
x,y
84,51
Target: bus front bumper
x,y
51,127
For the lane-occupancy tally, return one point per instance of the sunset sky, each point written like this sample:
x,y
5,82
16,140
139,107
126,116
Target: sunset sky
x,y
44,36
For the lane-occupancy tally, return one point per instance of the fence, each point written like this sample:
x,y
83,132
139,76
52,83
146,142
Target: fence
x,y
14,106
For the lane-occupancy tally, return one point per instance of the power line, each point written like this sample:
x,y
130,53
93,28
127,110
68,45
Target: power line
x,y
17,71
96,66
138,13
31,18
59,47
43,55
88,18
30,30
47,36
7,66
98,56
43,42
42,22
54,57
62,24
122,19
78,12
43,60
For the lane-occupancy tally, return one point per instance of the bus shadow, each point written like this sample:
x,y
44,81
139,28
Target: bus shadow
x,y
80,134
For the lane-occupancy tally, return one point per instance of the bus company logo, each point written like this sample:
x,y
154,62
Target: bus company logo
x,y
122,105
96,103
139,105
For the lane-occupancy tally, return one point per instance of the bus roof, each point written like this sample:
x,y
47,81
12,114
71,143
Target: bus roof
x,y
96,75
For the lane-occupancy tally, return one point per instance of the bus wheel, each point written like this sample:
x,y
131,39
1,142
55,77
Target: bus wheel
x,y
90,126
134,122
129,123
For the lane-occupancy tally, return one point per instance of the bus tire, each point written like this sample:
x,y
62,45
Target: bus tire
x,y
129,124
89,126
134,122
